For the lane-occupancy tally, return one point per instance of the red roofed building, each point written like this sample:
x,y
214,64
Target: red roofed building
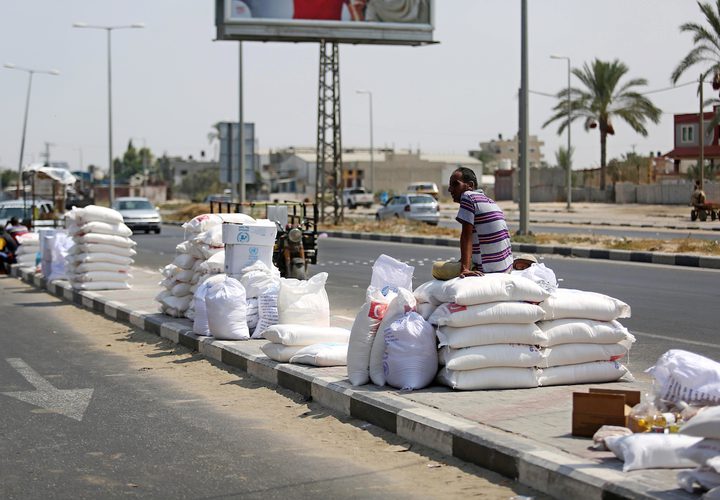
x,y
686,139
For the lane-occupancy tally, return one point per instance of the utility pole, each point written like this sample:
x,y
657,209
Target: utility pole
x,y
701,139
241,131
523,163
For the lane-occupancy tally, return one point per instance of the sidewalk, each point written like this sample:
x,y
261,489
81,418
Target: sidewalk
x,y
522,434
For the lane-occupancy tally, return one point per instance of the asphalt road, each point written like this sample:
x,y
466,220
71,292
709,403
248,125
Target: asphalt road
x,y
155,421
672,307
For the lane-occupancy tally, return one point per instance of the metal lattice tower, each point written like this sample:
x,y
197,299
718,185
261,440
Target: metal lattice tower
x,y
328,179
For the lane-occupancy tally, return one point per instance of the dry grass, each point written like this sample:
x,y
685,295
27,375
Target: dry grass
x,y
409,228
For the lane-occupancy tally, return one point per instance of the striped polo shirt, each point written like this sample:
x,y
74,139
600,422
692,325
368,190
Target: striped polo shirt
x,y
491,250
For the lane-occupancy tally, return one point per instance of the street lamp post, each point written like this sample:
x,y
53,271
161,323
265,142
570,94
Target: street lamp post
x,y
30,73
109,29
568,179
372,148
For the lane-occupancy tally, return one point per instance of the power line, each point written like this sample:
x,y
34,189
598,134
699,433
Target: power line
x,y
655,91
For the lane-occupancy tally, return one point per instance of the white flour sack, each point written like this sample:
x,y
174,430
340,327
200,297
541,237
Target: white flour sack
x,y
583,373
225,303
403,303
304,335
200,322
569,303
267,312
410,354
304,302
571,354
105,239
511,333
686,376
279,352
105,228
388,276
589,331
97,276
363,333
497,287
492,313
93,213
100,285
324,354
487,356
489,378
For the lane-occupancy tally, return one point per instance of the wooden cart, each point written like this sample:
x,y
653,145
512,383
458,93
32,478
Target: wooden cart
x,y
702,210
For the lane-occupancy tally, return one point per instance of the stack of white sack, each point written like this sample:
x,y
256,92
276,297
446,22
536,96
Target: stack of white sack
x,y
199,256
388,300
307,344
584,339
28,248
303,312
704,454
102,252
486,330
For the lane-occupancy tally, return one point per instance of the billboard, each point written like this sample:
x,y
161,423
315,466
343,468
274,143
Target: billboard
x,y
389,22
229,141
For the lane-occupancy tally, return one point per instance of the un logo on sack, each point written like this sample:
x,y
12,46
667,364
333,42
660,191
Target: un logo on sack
x,y
254,250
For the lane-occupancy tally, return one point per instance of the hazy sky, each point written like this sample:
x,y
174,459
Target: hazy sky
x,y
171,81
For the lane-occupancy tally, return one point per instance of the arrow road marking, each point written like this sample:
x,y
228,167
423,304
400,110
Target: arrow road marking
x,y
71,403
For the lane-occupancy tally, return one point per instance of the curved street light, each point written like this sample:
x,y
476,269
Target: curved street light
x,y
109,30
30,72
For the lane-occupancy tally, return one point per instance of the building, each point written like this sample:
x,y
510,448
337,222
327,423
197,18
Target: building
x,y
293,170
182,167
686,143
502,154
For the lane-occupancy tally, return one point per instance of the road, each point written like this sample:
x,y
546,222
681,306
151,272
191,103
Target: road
x,y
157,421
672,307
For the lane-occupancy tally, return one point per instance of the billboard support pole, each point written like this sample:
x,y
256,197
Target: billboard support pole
x,y
523,163
241,130
328,173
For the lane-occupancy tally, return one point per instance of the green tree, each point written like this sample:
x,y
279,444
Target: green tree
x,y
563,158
132,161
603,98
706,40
200,184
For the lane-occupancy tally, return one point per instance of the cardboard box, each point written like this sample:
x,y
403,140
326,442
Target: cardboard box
x,y
598,407
245,244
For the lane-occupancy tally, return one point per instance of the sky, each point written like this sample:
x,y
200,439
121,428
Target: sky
x,y
171,80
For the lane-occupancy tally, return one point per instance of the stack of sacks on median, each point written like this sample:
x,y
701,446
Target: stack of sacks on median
x,y
486,328
303,333
28,247
102,250
200,256
492,334
390,343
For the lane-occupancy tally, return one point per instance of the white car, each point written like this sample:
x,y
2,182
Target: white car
x,y
139,213
22,209
419,207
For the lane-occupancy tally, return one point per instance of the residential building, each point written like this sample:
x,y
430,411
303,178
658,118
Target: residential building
x,y
686,150
502,154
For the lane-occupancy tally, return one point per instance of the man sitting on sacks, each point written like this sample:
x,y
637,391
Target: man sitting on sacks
x,y
484,240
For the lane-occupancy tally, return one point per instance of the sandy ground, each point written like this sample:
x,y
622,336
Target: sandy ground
x,y
414,469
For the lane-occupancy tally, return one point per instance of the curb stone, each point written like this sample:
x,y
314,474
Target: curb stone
x,y
548,470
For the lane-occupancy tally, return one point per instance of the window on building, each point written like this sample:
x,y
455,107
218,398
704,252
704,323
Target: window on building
x,y
183,172
687,133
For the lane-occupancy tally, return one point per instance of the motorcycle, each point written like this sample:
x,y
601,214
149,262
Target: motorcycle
x,y
289,251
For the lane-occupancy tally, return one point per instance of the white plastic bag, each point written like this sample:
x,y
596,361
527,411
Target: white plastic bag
x,y
511,333
304,302
489,378
258,278
200,321
225,303
705,424
410,360
267,312
651,450
569,303
324,354
686,376
391,272
403,303
541,275
492,313
290,334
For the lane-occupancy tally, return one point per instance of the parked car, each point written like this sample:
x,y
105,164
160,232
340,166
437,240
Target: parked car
x,y
22,209
419,207
139,214
424,188
357,197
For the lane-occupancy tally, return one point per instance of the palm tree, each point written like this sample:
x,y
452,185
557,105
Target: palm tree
x,y
707,44
602,98
563,158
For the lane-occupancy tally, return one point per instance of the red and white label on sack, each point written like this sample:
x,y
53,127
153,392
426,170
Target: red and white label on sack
x,y
377,310
453,307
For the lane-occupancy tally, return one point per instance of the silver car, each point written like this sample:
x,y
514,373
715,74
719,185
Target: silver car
x,y
139,214
419,207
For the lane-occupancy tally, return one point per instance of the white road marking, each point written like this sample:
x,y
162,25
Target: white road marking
x,y
71,403
676,339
